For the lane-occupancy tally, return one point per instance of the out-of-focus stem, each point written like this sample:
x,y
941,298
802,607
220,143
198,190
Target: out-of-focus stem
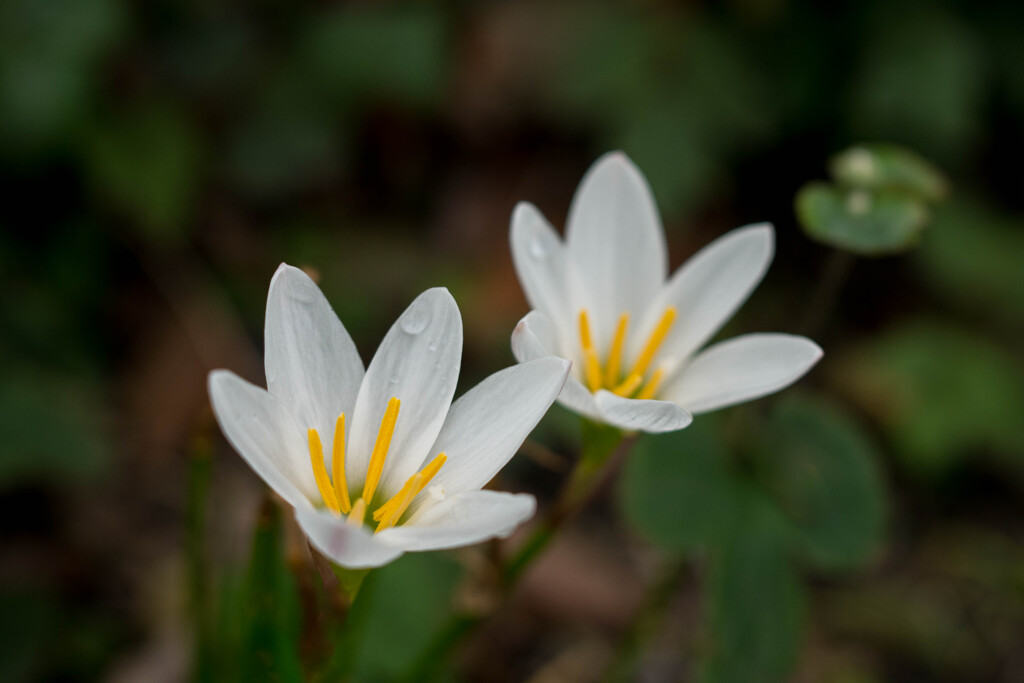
x,y
837,271
199,458
603,448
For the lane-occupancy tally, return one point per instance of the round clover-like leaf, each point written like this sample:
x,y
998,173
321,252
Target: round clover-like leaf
x,y
824,472
677,489
876,167
866,222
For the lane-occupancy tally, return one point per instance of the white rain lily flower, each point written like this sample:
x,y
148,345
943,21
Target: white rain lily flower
x,y
381,462
602,299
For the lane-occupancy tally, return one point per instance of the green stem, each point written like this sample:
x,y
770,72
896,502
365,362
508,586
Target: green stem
x,y
602,449
837,271
198,487
647,621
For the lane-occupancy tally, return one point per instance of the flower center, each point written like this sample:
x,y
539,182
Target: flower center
x,y
334,489
610,376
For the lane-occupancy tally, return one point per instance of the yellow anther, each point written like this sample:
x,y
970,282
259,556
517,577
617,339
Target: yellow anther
x,y
611,371
591,363
652,385
358,514
428,473
585,338
408,492
380,448
629,385
654,342
592,369
316,457
338,465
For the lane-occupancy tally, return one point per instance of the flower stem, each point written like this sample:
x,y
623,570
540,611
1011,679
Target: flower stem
x,y
602,450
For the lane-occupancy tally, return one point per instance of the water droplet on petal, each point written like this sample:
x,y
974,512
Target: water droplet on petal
x,y
432,346
393,379
537,248
415,319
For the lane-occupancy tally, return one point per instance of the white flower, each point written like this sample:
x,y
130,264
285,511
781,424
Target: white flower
x,y
603,299
381,462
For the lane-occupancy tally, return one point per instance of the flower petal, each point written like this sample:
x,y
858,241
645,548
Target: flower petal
x,y
463,519
539,259
643,415
741,369
616,241
353,547
265,435
706,291
312,364
486,426
418,362
534,338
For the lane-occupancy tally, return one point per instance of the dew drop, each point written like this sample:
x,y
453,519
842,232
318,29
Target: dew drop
x,y
415,319
393,379
537,248
432,346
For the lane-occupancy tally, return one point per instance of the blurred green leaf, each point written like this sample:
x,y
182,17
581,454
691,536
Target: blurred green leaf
x,y
862,221
677,489
53,430
270,607
973,257
824,471
922,80
755,609
49,52
27,618
396,613
938,391
877,167
381,50
146,161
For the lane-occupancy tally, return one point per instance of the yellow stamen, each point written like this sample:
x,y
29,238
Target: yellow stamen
x,y
428,473
652,385
316,457
380,448
654,342
591,364
628,386
409,492
338,465
611,372
358,513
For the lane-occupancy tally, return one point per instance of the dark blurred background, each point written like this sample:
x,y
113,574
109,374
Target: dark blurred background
x,y
159,160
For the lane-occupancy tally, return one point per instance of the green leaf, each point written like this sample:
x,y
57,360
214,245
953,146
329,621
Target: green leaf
x,y
53,430
865,222
677,489
923,80
824,472
270,608
973,257
879,167
146,163
398,609
755,612
941,393
50,54
401,54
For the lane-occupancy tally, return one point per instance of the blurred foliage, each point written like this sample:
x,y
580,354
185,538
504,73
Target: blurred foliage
x,y
879,204
161,158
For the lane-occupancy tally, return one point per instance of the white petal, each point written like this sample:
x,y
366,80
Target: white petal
x,y
486,426
539,259
643,415
463,519
615,238
312,365
533,338
265,435
418,363
353,547
741,369
707,290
